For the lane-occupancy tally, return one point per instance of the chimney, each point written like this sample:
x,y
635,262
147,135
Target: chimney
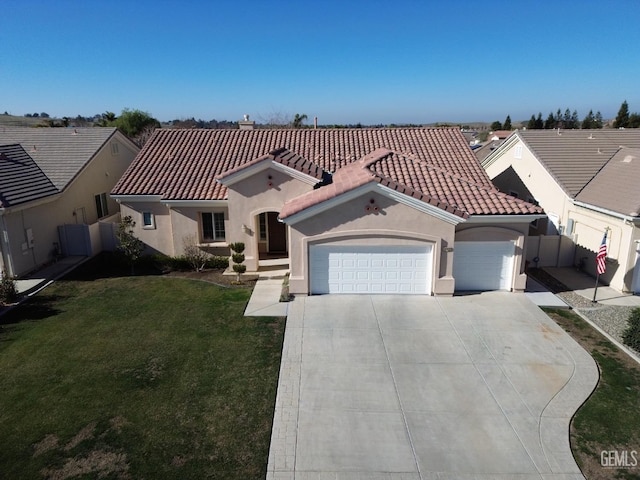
x,y
246,124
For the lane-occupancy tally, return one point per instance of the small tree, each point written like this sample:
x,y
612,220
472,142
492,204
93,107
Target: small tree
x,y
496,126
622,119
507,123
238,257
196,257
129,244
8,288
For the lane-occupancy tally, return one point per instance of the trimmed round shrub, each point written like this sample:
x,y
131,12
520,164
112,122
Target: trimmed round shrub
x,y
237,247
238,257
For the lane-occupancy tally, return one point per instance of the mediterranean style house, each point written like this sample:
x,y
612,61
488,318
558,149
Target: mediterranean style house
x,y
405,210
51,178
587,182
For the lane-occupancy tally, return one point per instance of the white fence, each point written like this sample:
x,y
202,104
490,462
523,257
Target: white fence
x,y
550,251
89,240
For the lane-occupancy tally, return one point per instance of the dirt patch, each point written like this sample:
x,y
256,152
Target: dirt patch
x,y
49,442
98,463
84,434
117,423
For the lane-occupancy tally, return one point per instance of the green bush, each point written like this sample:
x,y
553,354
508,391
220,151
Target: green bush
x,y
238,257
217,262
631,335
8,288
237,247
238,268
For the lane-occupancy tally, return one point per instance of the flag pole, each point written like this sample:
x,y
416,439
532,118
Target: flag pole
x,y
595,291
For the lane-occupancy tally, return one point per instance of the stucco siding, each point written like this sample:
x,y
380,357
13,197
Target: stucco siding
x,y
252,196
350,224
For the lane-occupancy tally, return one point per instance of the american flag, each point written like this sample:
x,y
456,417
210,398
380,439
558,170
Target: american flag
x,y
601,265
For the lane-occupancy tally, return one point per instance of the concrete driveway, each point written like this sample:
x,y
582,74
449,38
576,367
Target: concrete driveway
x,y
412,387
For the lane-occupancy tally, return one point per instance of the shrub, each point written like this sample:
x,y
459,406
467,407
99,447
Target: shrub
x,y
238,257
217,262
631,335
8,288
237,247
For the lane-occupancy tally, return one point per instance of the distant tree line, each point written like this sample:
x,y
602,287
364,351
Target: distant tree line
x,y
569,120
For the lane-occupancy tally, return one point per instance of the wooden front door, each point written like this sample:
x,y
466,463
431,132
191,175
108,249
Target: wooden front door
x,y
277,234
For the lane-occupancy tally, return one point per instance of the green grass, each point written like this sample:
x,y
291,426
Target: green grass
x,y
153,377
609,419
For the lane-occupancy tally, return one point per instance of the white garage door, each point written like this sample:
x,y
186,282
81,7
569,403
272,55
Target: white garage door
x,y
483,265
365,269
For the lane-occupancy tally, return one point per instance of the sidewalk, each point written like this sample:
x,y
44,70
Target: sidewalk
x,y
33,282
584,285
265,299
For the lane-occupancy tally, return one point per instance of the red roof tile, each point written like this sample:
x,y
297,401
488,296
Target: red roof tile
x,y
183,164
419,179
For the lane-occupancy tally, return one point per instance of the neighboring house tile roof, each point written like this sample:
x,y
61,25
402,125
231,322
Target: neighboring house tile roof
x,y
183,164
21,179
61,153
617,186
574,157
416,178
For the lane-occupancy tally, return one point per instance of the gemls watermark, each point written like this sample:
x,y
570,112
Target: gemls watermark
x,y
619,458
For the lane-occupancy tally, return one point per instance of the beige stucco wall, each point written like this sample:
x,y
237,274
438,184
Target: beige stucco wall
x,y
589,227
395,224
538,180
76,204
252,196
515,232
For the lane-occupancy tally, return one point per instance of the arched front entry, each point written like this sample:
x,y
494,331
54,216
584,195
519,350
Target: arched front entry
x,y
272,236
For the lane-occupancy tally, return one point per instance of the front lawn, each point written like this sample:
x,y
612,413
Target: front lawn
x,y
606,429
137,377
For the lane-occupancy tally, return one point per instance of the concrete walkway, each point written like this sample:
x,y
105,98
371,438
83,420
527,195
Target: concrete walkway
x,y
414,388
541,296
36,280
584,285
265,299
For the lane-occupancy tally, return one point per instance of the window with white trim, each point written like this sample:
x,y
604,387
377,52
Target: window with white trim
x,y
148,220
212,226
101,205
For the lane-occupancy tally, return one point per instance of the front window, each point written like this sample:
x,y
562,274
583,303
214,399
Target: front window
x,y
213,226
148,220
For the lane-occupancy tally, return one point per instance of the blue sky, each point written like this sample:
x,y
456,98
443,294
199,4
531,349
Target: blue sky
x,y
396,61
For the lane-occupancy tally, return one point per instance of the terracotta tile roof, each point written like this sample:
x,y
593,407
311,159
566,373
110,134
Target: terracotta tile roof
x,y
419,179
183,164
574,157
21,179
615,187
284,157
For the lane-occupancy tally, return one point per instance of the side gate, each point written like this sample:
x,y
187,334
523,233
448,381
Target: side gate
x,y
75,240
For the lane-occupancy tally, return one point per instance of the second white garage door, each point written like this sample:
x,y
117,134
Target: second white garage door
x,y
367,269
483,265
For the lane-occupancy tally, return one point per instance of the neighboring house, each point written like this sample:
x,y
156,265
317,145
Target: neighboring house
x,y
586,181
350,210
52,177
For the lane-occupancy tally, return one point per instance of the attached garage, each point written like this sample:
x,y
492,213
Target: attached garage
x,y
481,266
396,269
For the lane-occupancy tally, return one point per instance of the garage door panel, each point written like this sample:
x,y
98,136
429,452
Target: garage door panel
x,y
483,265
364,269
